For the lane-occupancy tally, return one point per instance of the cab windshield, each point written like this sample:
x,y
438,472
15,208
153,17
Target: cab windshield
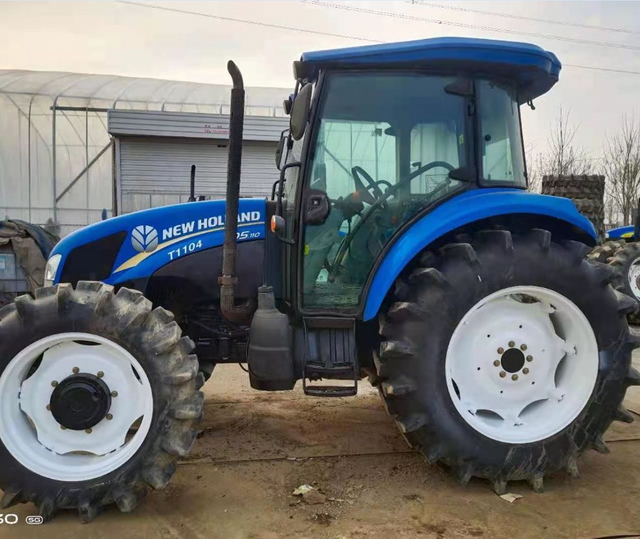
x,y
387,146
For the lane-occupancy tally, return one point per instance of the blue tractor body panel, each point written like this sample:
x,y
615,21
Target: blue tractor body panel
x,y
622,232
464,209
533,69
160,235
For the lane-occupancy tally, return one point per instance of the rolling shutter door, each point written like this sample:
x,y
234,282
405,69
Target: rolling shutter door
x,y
155,171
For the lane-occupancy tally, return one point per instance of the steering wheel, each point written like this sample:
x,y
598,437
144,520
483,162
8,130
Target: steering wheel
x,y
381,201
371,185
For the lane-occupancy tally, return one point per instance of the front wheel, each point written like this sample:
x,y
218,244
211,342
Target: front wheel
x,y
98,398
506,357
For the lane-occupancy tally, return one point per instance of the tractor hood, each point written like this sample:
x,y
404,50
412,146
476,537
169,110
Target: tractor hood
x,y
135,245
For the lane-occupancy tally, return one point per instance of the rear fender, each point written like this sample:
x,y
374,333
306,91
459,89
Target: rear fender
x,y
468,208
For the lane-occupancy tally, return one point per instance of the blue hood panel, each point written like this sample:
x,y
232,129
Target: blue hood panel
x,y
157,236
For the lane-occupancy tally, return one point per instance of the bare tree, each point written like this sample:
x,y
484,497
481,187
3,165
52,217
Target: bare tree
x,y
622,169
562,157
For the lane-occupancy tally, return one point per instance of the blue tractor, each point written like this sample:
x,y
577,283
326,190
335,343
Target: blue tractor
x,y
399,244
621,250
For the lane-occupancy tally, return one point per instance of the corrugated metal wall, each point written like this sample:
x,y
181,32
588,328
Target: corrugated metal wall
x,y
154,171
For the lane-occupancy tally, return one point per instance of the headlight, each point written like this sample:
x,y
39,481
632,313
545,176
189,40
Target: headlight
x,y
51,269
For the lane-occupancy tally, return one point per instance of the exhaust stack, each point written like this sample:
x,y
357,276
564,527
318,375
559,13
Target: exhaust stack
x,y
228,279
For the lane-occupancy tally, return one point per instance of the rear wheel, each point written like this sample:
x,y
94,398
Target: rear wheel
x,y
98,398
506,357
625,261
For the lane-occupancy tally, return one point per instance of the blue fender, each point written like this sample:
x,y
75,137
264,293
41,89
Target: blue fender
x,y
621,232
466,208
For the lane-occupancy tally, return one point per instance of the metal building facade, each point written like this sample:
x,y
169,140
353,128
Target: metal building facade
x,y
154,152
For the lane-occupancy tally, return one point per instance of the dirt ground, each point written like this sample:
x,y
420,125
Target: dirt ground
x,y
256,448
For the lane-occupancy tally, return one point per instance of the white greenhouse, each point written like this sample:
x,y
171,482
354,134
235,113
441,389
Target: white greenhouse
x,y
76,148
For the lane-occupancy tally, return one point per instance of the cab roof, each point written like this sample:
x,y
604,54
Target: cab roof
x,y
533,69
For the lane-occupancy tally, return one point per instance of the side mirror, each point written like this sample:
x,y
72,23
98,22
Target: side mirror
x,y
300,112
280,148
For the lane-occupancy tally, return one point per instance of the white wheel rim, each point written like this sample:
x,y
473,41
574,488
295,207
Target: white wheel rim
x,y
32,435
634,277
560,354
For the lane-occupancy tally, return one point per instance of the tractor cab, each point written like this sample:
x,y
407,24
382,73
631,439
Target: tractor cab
x,y
381,135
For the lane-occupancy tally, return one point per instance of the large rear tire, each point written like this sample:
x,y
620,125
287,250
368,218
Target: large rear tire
x,y
625,261
98,398
474,326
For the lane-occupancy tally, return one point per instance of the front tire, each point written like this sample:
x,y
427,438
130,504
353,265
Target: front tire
x,y
443,331
98,398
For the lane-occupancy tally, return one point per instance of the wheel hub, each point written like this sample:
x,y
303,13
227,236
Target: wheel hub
x,y
512,360
80,401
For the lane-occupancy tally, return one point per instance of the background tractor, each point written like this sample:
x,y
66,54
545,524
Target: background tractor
x,y
621,250
399,244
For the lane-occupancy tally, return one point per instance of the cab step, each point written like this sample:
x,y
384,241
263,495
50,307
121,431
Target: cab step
x,y
330,354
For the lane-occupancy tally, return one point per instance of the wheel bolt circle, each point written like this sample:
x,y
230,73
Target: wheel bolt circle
x,y
100,374
529,358
500,350
497,362
523,347
75,370
54,383
511,344
502,374
109,417
525,371
514,376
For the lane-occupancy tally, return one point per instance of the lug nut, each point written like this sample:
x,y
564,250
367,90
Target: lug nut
x,y
48,407
63,427
75,370
511,344
523,347
496,363
525,371
54,383
514,376
100,374
500,350
109,417
114,393
89,431
529,358
502,374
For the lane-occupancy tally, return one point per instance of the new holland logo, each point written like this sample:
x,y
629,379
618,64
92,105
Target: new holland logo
x,y
144,238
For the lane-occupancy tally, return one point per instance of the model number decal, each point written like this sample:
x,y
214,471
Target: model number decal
x,y
185,249
246,235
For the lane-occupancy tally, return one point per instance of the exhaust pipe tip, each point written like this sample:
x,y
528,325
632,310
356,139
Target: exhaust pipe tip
x,y
236,76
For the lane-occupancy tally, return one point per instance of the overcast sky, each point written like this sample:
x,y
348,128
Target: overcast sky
x,y
124,39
